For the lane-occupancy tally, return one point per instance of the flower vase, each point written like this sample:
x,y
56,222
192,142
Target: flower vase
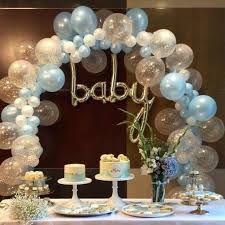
x,y
158,188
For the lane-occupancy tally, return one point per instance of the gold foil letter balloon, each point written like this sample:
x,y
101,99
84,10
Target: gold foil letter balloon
x,y
8,91
8,133
117,27
22,74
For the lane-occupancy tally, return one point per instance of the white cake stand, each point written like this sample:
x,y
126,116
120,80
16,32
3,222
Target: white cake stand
x,y
115,201
75,202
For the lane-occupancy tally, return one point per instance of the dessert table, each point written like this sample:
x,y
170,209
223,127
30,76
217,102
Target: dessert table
x,y
182,216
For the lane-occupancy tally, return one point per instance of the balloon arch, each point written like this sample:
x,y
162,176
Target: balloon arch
x,y
81,37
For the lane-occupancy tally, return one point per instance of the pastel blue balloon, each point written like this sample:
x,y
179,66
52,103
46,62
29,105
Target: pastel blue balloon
x,y
62,26
84,51
202,107
25,93
51,78
145,51
195,93
105,44
9,113
184,101
37,90
126,49
189,89
78,41
26,130
116,48
97,45
33,121
83,20
184,113
139,19
173,86
65,58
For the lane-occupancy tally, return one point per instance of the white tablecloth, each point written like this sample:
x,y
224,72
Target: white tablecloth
x,y
181,217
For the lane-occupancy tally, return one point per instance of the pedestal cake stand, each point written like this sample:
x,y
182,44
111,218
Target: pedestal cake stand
x,y
115,201
75,202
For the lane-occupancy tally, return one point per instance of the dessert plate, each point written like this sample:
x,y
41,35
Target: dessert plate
x,y
148,210
87,210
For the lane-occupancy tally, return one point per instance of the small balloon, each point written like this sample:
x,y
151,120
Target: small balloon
x,y
83,20
168,120
132,59
202,107
96,62
149,71
173,86
51,78
205,159
139,19
212,130
9,113
163,43
48,51
47,112
22,74
181,58
63,27
102,14
8,133
195,78
117,27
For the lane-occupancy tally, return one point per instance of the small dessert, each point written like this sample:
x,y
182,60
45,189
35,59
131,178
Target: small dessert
x,y
74,172
112,167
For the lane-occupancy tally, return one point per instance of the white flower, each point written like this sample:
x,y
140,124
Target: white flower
x,y
144,170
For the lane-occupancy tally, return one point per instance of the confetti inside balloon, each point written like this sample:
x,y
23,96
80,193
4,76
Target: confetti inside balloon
x,y
168,120
47,112
96,62
163,43
181,58
102,14
149,71
195,78
117,27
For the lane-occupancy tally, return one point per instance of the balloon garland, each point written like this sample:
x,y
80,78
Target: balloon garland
x,y
81,37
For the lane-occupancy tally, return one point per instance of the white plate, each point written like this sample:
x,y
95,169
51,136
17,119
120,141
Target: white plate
x,y
91,209
147,210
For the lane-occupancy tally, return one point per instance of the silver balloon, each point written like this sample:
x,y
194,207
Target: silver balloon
x,y
102,14
168,120
132,59
149,71
205,159
195,78
47,112
96,62
117,27
212,130
181,58
163,43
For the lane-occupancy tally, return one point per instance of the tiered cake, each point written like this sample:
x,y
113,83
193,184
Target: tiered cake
x,y
74,172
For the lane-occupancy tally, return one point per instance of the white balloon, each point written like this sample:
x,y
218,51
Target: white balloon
x,y
75,57
20,103
68,47
143,38
99,34
21,120
34,101
130,41
89,40
27,111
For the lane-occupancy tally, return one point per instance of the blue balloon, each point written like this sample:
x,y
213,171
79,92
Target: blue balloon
x,y
9,113
33,121
202,107
78,41
65,58
195,93
184,113
184,101
25,93
63,27
96,46
173,86
126,49
116,48
51,78
84,51
105,44
145,51
27,130
37,90
189,89
83,20
139,19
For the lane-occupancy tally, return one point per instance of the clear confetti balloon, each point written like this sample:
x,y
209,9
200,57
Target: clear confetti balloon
x,y
8,133
149,71
22,74
96,62
48,51
174,137
7,190
102,14
117,27
25,51
207,182
183,157
47,112
132,59
181,58
163,43
168,120
212,130
195,78
205,159
8,91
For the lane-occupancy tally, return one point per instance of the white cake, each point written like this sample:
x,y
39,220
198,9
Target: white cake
x,y
112,167
74,172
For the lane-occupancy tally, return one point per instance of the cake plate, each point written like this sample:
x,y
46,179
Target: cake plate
x,y
115,201
75,202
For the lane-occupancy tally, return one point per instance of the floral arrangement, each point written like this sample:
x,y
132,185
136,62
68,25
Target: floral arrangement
x,y
27,208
